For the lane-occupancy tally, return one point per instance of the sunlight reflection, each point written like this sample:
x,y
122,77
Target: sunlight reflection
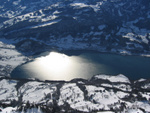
x,y
58,66
55,62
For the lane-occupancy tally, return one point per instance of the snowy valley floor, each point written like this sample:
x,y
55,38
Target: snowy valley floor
x,y
102,93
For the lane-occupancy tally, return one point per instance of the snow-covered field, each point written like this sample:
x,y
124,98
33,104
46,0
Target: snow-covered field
x,y
13,110
35,92
95,95
9,58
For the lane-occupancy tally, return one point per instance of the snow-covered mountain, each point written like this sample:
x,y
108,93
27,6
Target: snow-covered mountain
x,y
102,93
29,27
118,26
34,26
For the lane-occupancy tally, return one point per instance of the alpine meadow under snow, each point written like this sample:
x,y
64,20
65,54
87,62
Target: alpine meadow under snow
x,y
99,94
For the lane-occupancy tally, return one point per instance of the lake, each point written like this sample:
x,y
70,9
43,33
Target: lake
x,y
85,64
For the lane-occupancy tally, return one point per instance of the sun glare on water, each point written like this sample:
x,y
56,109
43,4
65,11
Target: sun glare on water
x,y
56,62
58,66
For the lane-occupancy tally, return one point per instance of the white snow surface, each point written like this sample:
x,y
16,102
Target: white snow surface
x,y
140,80
70,93
133,37
134,111
101,96
121,94
10,58
118,78
134,108
81,96
8,110
105,112
35,92
14,110
79,5
8,90
46,24
73,95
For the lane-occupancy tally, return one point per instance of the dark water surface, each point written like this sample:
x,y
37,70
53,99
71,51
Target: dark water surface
x,y
58,66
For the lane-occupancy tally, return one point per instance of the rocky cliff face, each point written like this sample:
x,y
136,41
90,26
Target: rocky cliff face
x,y
118,26
102,93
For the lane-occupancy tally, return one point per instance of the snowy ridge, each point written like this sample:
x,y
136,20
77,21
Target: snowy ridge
x,y
118,78
35,92
95,95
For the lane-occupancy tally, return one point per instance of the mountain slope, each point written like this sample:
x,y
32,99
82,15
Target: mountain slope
x,y
119,26
102,93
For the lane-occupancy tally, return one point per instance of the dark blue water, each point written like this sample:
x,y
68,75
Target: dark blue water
x,y
58,66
